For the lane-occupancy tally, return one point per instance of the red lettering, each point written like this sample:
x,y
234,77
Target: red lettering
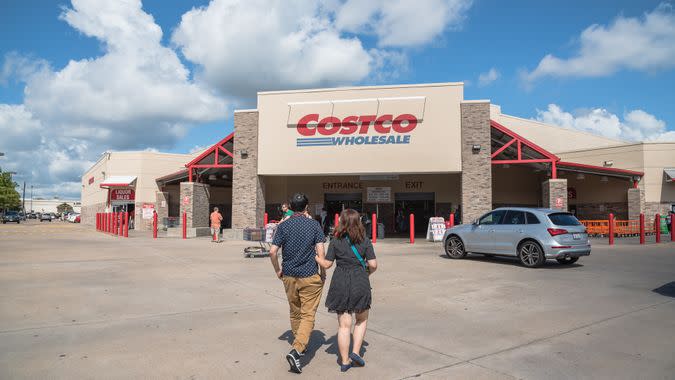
x,y
398,126
366,120
379,123
349,125
323,128
303,129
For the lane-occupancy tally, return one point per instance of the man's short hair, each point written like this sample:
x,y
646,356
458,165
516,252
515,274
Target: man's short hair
x,y
215,209
299,202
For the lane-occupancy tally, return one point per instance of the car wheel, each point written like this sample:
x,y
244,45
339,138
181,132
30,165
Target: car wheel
x,y
530,254
568,260
454,248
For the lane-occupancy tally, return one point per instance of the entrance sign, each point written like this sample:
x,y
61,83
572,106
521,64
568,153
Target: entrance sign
x,y
378,194
559,202
122,195
436,229
148,208
186,200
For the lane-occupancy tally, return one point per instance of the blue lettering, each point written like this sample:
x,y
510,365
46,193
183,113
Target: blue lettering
x,y
406,139
359,140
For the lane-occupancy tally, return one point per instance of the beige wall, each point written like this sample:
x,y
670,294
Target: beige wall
x,y
552,138
650,158
434,143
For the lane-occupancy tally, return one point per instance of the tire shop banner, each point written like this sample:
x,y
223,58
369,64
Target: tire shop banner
x,y
436,229
122,195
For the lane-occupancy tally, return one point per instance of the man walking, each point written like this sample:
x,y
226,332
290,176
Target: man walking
x,y
216,218
301,239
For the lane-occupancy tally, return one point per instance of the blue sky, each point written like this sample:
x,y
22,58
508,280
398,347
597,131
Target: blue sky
x,y
83,77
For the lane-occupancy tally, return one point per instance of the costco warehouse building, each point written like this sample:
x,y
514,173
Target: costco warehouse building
x,y
390,150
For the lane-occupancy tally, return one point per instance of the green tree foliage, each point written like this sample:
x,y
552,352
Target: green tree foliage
x,y
9,197
64,207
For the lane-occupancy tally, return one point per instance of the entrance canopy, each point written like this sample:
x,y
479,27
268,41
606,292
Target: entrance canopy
x,y
119,181
510,148
670,174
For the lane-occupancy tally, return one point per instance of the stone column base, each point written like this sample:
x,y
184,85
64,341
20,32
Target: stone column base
x,y
636,203
554,194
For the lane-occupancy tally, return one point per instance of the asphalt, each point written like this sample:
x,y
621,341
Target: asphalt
x,y
80,304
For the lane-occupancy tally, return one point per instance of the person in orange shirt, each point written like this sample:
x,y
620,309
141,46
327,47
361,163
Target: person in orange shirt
x,y
216,218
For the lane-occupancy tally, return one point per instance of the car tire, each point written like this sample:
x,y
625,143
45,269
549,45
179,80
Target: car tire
x,y
454,248
568,260
531,254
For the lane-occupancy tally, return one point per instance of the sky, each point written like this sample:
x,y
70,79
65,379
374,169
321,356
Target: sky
x,y
83,77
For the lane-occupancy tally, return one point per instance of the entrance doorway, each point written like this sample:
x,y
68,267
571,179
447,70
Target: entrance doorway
x,y
125,207
422,205
336,202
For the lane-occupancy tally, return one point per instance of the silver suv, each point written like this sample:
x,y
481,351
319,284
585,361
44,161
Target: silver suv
x,y
531,234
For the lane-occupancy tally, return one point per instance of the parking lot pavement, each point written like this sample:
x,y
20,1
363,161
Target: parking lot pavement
x,y
86,305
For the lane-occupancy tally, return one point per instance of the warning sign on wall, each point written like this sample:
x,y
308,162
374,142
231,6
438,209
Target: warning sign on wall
x,y
148,208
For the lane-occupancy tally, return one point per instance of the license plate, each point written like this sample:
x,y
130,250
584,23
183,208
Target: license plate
x,y
576,236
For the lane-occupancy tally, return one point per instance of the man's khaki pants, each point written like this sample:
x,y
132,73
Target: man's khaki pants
x,y
304,295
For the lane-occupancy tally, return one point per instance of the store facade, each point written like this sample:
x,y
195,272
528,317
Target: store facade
x,y
408,149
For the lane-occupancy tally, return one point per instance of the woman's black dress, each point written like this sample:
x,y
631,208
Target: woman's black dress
x,y
350,287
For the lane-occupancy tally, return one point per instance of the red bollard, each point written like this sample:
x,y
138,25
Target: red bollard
x,y
337,220
184,225
265,219
126,224
114,229
109,222
657,228
452,220
373,225
672,227
120,231
611,229
412,228
642,228
154,224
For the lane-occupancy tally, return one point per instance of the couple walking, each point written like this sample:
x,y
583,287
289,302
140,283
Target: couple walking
x,y
303,272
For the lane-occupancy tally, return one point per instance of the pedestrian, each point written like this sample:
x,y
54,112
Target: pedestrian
x,y
350,290
216,218
286,212
301,239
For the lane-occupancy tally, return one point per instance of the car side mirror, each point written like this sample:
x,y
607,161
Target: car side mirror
x,y
475,222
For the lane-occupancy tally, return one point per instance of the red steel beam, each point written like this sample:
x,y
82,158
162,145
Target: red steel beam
x,y
508,144
533,161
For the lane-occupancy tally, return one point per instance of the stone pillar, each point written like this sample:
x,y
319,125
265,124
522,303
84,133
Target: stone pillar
x,y
194,200
162,206
636,203
554,194
248,188
476,187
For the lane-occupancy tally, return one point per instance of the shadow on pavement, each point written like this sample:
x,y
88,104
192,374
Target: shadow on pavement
x,y
505,260
667,290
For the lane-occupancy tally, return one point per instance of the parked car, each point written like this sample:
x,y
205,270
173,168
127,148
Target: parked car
x,y
11,217
71,217
32,216
77,218
531,234
46,217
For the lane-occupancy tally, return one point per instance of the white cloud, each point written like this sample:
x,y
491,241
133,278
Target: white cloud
x,y
402,23
487,78
637,125
643,44
245,46
136,95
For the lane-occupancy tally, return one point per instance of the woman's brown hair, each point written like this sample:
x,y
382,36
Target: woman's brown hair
x,y
350,225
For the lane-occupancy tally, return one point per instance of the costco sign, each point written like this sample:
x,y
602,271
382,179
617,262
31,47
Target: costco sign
x,y
355,130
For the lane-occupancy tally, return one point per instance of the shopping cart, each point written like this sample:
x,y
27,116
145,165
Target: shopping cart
x,y
264,238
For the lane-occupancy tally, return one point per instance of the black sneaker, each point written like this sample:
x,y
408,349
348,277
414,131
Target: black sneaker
x,y
357,361
293,359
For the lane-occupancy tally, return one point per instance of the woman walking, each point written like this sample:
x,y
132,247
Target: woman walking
x,y
350,286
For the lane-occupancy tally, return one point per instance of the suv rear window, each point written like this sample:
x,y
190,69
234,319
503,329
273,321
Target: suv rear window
x,y
564,219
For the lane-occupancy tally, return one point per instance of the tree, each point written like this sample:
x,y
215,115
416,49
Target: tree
x,y
9,197
64,207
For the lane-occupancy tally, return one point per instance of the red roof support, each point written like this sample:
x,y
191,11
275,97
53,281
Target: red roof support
x,y
216,149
